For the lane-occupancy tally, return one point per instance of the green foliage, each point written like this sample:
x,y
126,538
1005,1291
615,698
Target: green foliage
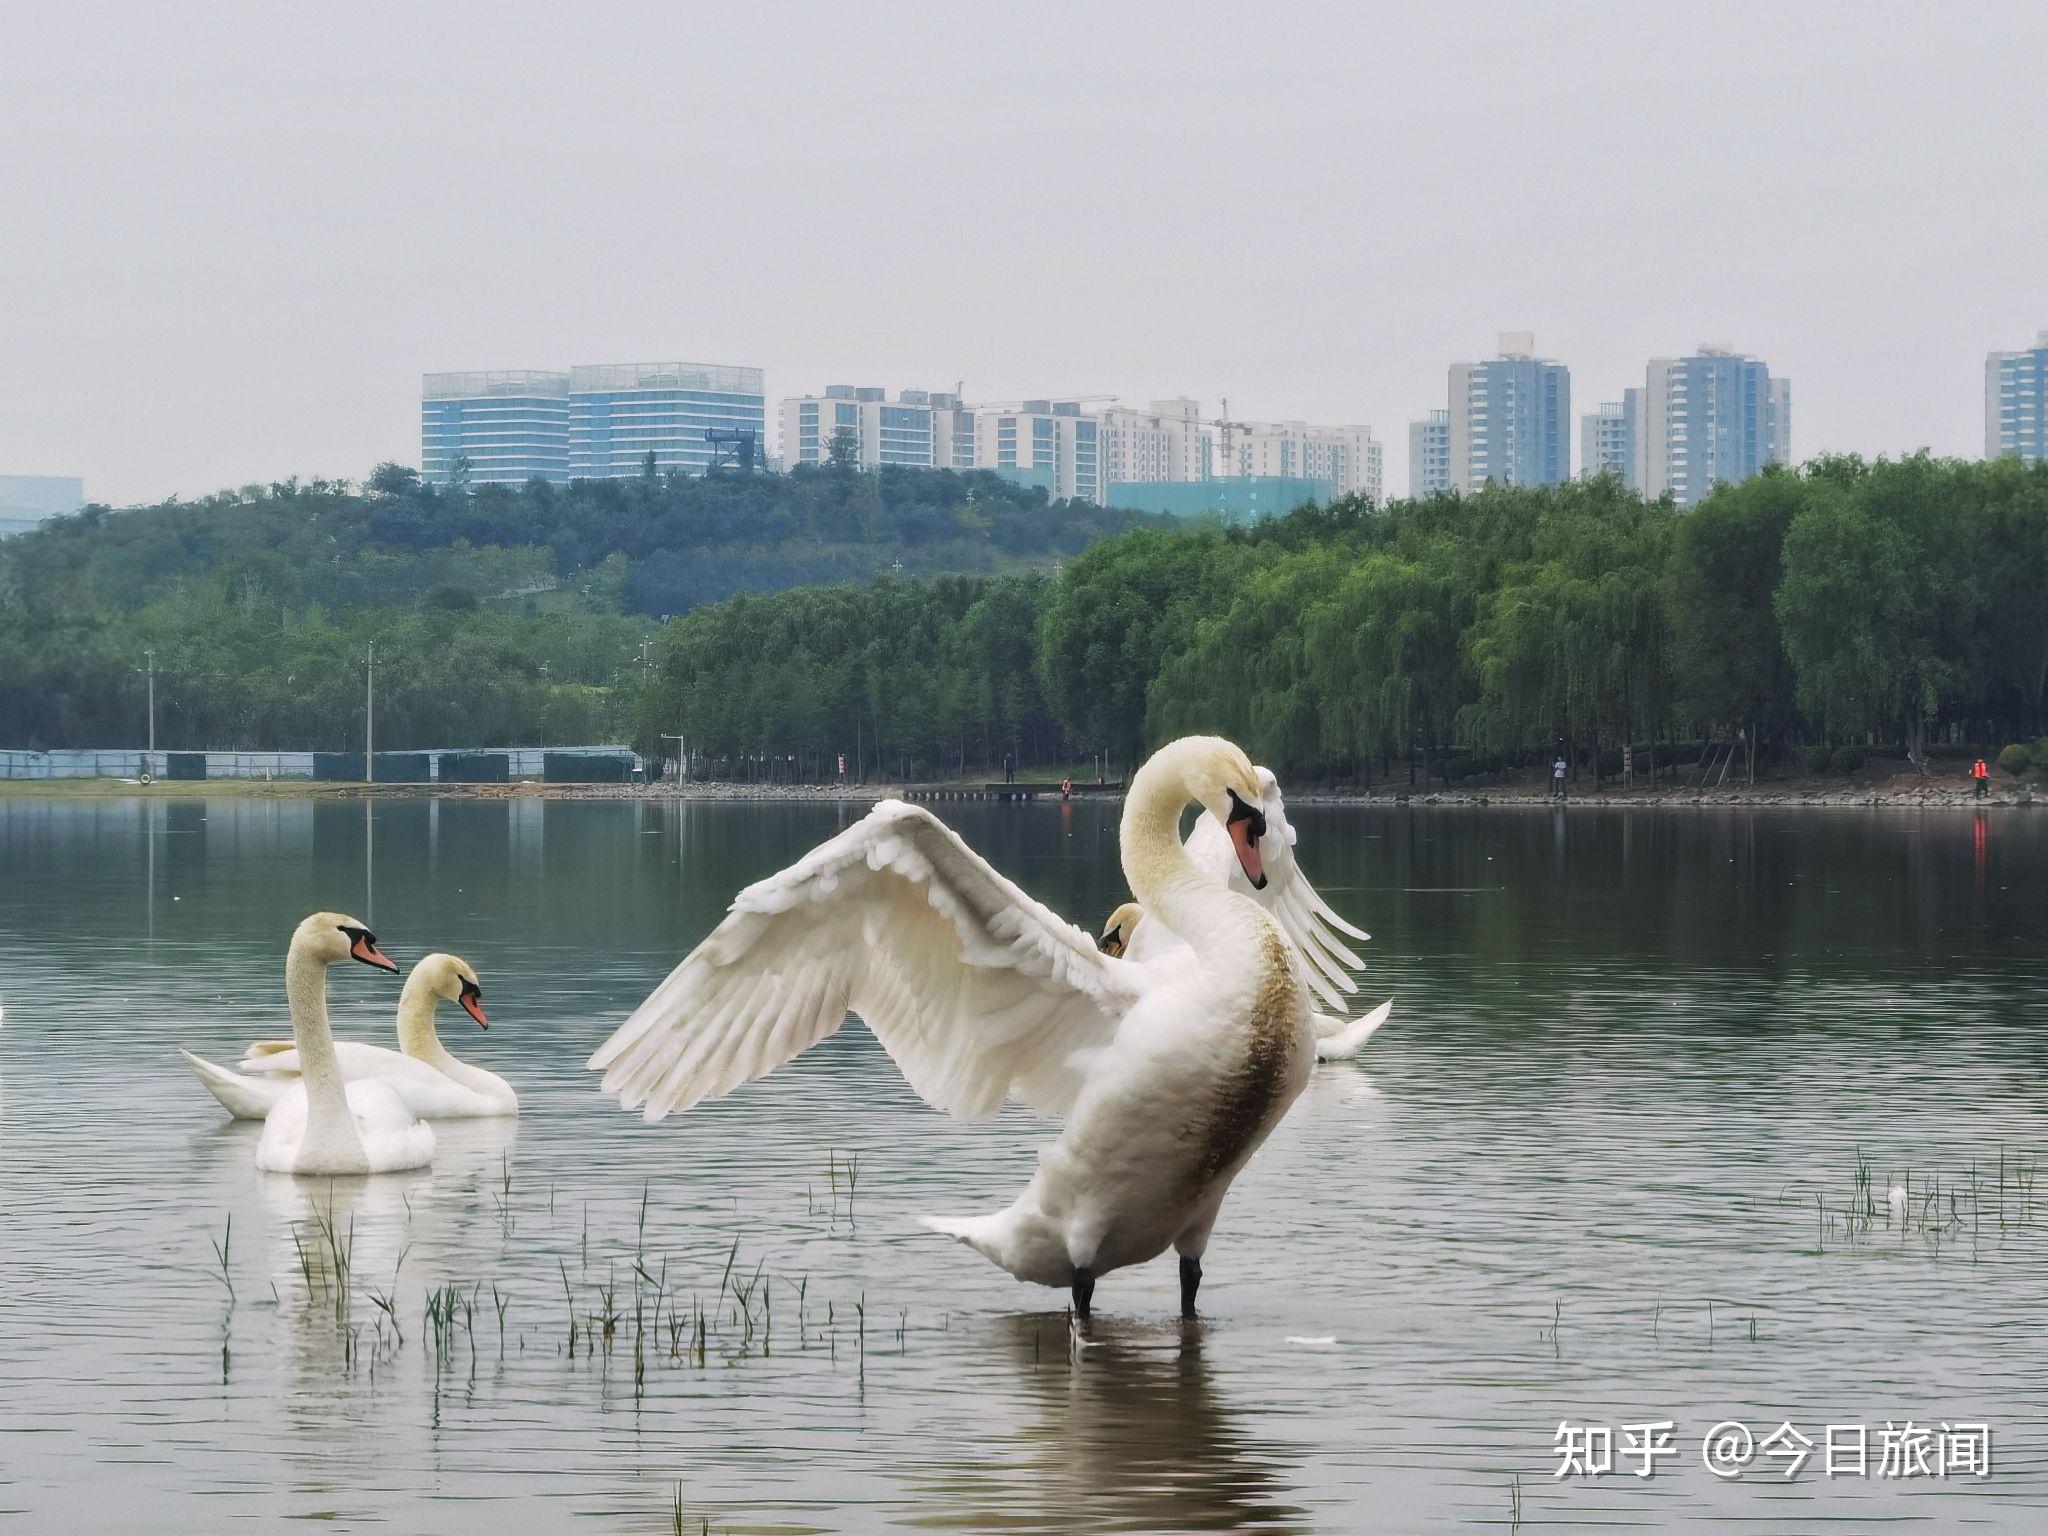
x,y
899,677
1876,602
2015,759
503,614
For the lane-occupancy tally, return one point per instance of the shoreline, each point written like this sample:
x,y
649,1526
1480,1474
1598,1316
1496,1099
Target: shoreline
x,y
1903,791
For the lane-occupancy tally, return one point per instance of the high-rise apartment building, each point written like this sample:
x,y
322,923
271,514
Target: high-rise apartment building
x,y
502,427
1715,416
1346,459
1049,443
918,428
1607,438
619,413
2016,403
1166,443
1510,418
1429,454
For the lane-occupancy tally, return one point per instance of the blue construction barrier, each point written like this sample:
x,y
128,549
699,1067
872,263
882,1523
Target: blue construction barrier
x,y
587,767
475,767
405,768
346,766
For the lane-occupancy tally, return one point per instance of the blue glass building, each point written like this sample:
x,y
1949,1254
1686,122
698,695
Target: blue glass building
x,y
621,412
2016,403
510,425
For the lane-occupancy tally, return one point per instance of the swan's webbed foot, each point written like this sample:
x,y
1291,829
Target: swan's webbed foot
x,y
1190,1282
1084,1292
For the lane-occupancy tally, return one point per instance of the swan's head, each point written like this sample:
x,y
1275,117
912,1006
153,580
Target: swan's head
x,y
1116,933
1222,778
330,937
450,978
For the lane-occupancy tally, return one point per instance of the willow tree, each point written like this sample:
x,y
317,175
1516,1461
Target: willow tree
x,y
1875,602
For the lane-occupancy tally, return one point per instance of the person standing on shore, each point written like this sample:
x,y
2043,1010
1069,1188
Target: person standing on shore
x,y
1557,778
1980,771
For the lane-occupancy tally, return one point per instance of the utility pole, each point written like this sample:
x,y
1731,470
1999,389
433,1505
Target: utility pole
x,y
150,658
370,716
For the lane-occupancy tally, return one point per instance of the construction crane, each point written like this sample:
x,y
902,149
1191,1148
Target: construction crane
x,y
1225,429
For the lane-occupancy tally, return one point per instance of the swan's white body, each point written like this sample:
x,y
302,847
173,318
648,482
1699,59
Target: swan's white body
x,y
365,1129
424,1073
1308,921
322,1124
1169,1076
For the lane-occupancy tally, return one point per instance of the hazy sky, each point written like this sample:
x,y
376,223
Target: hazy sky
x,y
233,236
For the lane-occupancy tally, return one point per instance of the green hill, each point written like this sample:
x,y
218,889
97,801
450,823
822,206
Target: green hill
x,y
500,614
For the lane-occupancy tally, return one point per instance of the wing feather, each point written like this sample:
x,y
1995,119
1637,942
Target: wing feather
x,y
976,991
1302,914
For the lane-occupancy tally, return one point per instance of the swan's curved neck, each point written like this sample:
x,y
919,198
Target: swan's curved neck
x,y
1161,875
305,987
417,1036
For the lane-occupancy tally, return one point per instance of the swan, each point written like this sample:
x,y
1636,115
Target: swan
x,y
423,1071
1293,903
1302,914
1169,1076
322,1124
1338,1036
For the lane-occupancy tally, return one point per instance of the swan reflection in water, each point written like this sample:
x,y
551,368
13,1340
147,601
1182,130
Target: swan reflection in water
x,y
1126,1433
398,1234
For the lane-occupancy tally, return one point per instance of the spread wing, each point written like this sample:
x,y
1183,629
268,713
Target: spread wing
x,y
1292,902
975,990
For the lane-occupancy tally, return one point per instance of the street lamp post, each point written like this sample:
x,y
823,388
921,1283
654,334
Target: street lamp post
x,y
370,715
149,657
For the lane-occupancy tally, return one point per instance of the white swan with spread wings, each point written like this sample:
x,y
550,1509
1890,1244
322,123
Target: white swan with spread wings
x,y
1169,1076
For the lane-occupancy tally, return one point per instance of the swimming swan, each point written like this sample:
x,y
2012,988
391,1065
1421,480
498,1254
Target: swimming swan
x,y
322,1124
423,1071
1169,1076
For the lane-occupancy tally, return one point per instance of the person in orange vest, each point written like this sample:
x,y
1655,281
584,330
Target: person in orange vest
x,y
1982,774
1066,789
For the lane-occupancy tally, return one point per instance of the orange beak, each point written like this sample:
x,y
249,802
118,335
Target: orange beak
x,y
1246,843
365,949
473,1005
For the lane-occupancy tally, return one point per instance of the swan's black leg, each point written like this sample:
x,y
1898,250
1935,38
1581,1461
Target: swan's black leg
x,y
1190,1282
1084,1292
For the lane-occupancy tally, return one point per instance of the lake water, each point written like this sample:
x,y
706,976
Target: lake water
x,y
1623,1155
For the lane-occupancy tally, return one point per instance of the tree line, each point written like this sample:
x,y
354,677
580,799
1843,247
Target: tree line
x,y
1846,606
1881,605
504,614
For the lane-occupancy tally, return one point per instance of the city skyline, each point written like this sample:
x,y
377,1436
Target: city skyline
x,y
296,254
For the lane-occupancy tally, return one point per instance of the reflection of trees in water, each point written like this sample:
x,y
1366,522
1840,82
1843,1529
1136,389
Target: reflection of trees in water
x,y
1128,1434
